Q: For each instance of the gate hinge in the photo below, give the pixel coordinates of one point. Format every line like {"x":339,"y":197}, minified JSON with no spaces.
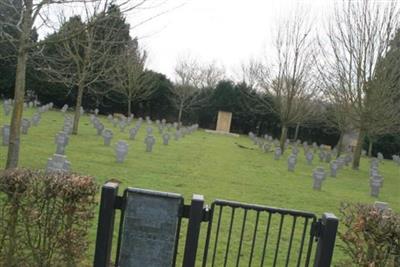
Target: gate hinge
{"x":206,"y":212}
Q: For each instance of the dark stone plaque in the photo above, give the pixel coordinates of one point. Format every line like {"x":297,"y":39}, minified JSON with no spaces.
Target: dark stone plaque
{"x":149,"y":230}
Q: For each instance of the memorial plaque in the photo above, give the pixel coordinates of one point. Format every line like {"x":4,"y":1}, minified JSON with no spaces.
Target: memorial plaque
{"x":150,"y":228}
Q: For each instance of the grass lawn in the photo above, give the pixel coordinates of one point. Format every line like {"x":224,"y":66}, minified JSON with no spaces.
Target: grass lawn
{"x":211,"y":165}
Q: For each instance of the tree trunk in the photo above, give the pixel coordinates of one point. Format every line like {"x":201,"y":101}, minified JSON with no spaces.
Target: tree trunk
{"x":129,"y":108}
{"x":340,"y":145}
{"x":370,"y":145}
{"x":296,"y":133}
{"x":180,"y":116}
{"x":19,"y":90}
{"x":357,"y":150}
{"x":78,"y":109}
{"x":283,"y":137}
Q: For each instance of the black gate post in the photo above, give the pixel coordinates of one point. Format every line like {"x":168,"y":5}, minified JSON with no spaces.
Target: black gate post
{"x":193,"y":231}
{"x":105,"y":226}
{"x":326,"y":242}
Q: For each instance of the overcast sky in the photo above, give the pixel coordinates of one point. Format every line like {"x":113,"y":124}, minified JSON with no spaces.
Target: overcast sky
{"x":226,"y":31}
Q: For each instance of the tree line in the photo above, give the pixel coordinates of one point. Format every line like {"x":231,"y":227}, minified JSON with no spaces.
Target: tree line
{"x":316,"y":87}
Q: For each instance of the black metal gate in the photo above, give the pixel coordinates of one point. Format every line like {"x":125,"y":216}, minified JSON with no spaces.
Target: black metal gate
{"x":236,"y":234}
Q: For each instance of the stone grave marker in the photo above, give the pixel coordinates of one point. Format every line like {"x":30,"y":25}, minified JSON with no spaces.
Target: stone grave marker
{"x":318,"y":176}
{"x":149,"y":141}
{"x":107,"y":136}
{"x":121,"y":150}
{"x":96,"y":111}
{"x":165,"y":138}
{"x":309,"y":157}
{"x":292,"y":162}
{"x":328,"y":157}
{"x":266,"y":147}
{"x":380,"y":156}
{"x":321,"y":155}
{"x":25,"y":124}
{"x":150,"y":228}
{"x":5,"y":133}
{"x":35,"y":119}
{"x":177,"y":135}
{"x":58,"y":163}
{"x":334,"y":167}
{"x":64,"y":108}
{"x":61,"y":141}
{"x":99,"y":128}
{"x":278,"y":153}
{"x":132,"y":133}
{"x":115,"y":122}
{"x":375,"y":182}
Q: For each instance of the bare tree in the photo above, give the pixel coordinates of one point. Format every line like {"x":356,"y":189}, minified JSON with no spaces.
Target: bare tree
{"x":288,"y":82}
{"x":186,"y":92}
{"x":129,"y":79}
{"x":210,"y":74}
{"x":358,"y":39}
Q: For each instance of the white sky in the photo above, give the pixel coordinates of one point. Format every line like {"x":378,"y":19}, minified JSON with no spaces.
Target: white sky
{"x":229,"y":32}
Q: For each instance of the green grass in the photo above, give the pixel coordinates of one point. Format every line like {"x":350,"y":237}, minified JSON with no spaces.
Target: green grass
{"x":211,"y":165}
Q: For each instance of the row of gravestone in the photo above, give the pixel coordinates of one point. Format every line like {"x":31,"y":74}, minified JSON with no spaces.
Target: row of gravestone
{"x":59,"y":161}
{"x":8,"y":105}
{"x":25,"y":123}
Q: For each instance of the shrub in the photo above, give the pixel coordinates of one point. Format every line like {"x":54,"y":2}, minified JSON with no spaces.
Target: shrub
{"x":371,"y":236}
{"x":44,"y":218}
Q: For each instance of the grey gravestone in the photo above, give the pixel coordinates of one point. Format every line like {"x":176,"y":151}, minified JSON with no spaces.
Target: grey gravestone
{"x":107,"y":136}
{"x":149,"y":141}
{"x":363,"y":152}
{"x":165,"y":138}
{"x":121,"y":150}
{"x":266,"y":147}
{"x":396,"y":159}
{"x":374,"y":163}
{"x":380,"y":156}
{"x":295,"y":150}
{"x":309,"y":157}
{"x":375,"y":183}
{"x":318,"y":176}
{"x":61,"y":142}
{"x":99,"y":128}
{"x":30,"y":104}
{"x":334,"y":167}
{"x":291,"y":163}
{"x":35,"y":119}
{"x":96,"y":111}
{"x":122,"y":125}
{"x":81,"y":110}
{"x":348,"y":159}
{"x":132,"y":133}
{"x":278,"y":153}
{"x":150,"y":228}
{"x":25,"y":124}
{"x":149,"y":130}
{"x":382,"y":206}
{"x":64,"y":108}
{"x":58,"y":163}
{"x":110,"y":118}
{"x":5,"y":132}
{"x":321,"y":155}
{"x":164,"y":122}
{"x":115,"y":122}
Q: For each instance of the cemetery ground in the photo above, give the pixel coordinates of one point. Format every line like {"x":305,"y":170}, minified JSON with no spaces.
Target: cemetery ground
{"x":215,"y":166}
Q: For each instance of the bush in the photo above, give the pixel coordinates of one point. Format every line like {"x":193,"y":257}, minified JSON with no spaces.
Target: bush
{"x":371,"y":236}
{"x":44,"y":218}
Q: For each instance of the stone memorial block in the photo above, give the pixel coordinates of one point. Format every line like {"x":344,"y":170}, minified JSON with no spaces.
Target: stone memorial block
{"x":25,"y":124}
{"x":334,"y":167}
{"x":61,"y":142}
{"x":96,"y":111}
{"x":35,"y":119}
{"x":278,"y":153}
{"x":318,"y":176}
{"x":291,"y":163}
{"x":348,"y":159}
{"x":30,"y":104}
{"x":149,"y":130}
{"x":309,"y":157}
{"x":5,"y":133}
{"x":81,"y":110}
{"x":374,"y":163}
{"x":375,"y":183}
{"x":149,"y":141}
{"x":99,"y":128}
{"x":121,"y":150}
{"x":341,"y":162}
{"x":164,"y":122}
{"x":132,"y":133}
{"x":110,"y":118}
{"x":150,"y":228}
{"x":373,"y":171}
{"x":175,"y":125}
{"x":380,"y":156}
{"x":165,"y":137}
{"x":295,"y":150}
{"x":107,"y":136}
{"x":58,"y":163}
{"x":7,"y":109}
{"x":396,"y":159}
